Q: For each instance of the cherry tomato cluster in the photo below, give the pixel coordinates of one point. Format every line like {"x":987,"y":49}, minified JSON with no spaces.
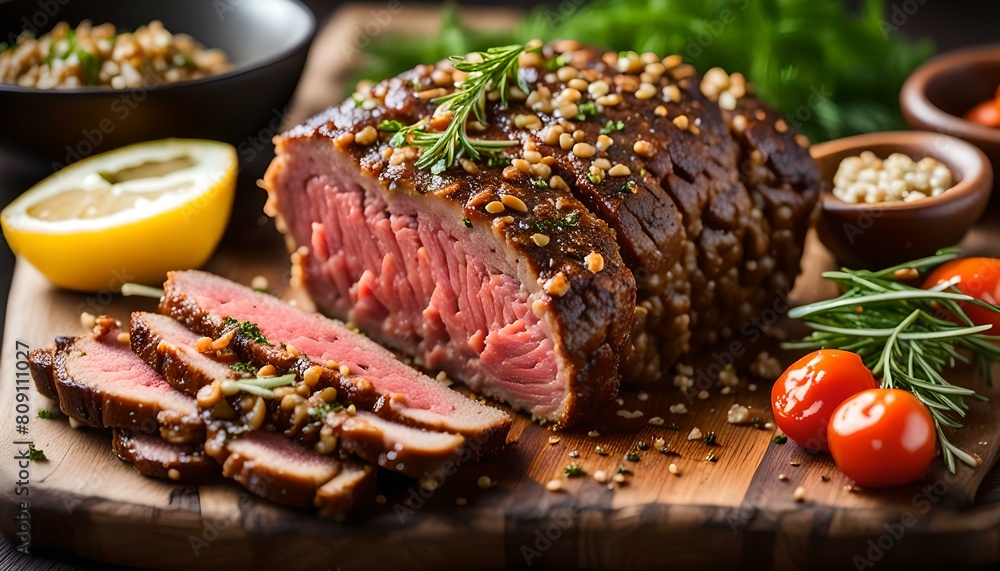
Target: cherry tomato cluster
{"x":829,"y":400}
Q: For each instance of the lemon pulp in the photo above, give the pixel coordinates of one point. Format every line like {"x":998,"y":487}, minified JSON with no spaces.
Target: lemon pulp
{"x":130,"y":214}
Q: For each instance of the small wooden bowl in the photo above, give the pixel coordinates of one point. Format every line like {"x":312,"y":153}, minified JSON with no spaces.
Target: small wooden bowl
{"x":881,"y":235}
{"x":938,"y":93}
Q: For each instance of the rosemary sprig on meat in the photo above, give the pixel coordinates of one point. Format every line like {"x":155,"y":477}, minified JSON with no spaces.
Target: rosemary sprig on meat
{"x":492,"y":70}
{"x":899,"y":333}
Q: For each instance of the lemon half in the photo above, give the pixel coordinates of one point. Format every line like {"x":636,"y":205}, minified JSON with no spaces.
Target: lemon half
{"x":128,"y":215}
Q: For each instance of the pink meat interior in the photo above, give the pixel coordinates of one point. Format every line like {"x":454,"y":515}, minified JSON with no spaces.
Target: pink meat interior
{"x":323,"y":340}
{"x":271,"y":449}
{"x":116,"y":371}
{"x":409,"y":272}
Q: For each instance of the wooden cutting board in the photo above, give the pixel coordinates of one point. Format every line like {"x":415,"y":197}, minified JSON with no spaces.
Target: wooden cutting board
{"x":732,"y":513}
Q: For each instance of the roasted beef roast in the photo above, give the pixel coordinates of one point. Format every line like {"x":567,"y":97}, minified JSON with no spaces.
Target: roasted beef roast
{"x":642,"y":212}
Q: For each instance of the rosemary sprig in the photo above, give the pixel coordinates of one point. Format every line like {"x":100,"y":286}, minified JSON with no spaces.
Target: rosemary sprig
{"x":493,"y":70}
{"x":897,"y":331}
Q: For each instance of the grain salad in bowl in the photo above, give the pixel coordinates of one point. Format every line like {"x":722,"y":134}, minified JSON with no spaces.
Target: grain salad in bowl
{"x":897,"y":178}
{"x":104,"y":56}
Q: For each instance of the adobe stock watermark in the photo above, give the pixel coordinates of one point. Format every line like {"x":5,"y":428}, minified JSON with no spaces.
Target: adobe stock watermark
{"x":39,"y":20}
{"x":564,"y":11}
{"x":547,"y":534}
{"x":804,"y":113}
{"x":896,"y":529}
{"x":119,"y":110}
{"x":247,"y":151}
{"x":898,"y":14}
{"x":431,"y":481}
{"x":750,"y":332}
{"x":376,"y":23}
{"x":695,"y":45}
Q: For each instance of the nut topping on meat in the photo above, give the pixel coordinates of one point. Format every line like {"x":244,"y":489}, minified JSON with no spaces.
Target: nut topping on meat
{"x":650,"y":211}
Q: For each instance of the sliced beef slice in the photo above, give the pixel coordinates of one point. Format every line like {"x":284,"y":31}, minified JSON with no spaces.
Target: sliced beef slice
{"x":367,"y":374}
{"x":275,"y":468}
{"x":169,"y":347}
{"x":40,"y":364}
{"x":410,"y":451}
{"x":102,"y":383}
{"x":152,"y":456}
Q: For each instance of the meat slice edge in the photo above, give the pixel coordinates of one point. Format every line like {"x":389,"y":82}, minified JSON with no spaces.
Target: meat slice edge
{"x":102,"y":383}
{"x":411,"y":451}
{"x":304,"y":341}
{"x":154,"y":457}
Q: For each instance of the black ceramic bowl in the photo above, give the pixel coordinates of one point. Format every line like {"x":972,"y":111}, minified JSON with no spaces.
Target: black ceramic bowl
{"x":266,"y":40}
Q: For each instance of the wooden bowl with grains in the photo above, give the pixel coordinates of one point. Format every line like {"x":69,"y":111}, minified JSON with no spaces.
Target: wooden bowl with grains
{"x":886,"y":197}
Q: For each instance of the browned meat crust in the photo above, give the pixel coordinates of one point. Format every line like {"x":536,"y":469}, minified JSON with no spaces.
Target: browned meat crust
{"x":152,"y":456}
{"x":705,"y":229}
{"x":94,"y":387}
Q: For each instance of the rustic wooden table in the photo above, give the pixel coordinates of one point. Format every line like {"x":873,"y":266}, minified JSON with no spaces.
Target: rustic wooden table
{"x":754,"y":494}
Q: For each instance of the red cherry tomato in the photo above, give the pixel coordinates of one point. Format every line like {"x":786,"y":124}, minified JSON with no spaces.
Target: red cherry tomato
{"x":806,"y":394}
{"x":882,"y":437}
{"x":986,"y":113}
{"x":977,"y":277}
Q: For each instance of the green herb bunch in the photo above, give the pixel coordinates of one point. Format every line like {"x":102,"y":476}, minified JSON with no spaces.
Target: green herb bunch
{"x":832,"y":72}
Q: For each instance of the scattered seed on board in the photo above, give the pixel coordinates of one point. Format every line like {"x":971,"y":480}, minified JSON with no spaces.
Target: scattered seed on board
{"x":554,"y":485}
{"x":673,"y":469}
{"x":484,"y":482}
{"x":799,"y":494}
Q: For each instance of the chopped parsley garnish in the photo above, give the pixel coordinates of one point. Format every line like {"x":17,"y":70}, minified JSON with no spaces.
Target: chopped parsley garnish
{"x":780,"y":439}
{"x":248,"y":329}
{"x":556,"y":62}
{"x":632,"y":457}
{"x":467,"y":222}
{"x":757,"y":423}
{"x":46,"y":414}
{"x":497,"y":161}
{"x":673,"y":426}
{"x":88,"y":61}
{"x":358,"y":99}
{"x":320,"y":412}
{"x":574,"y":470}
{"x":711,"y":457}
{"x":588,"y":109}
{"x":612,"y":126}
{"x":541,"y":184}
{"x":416,"y":85}
{"x":244,"y":367}
{"x":390,"y":126}
{"x":710,"y":439}
{"x":630,"y":187}
{"x":35,"y":454}
{"x":594,"y":178}
{"x":572,"y":220}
